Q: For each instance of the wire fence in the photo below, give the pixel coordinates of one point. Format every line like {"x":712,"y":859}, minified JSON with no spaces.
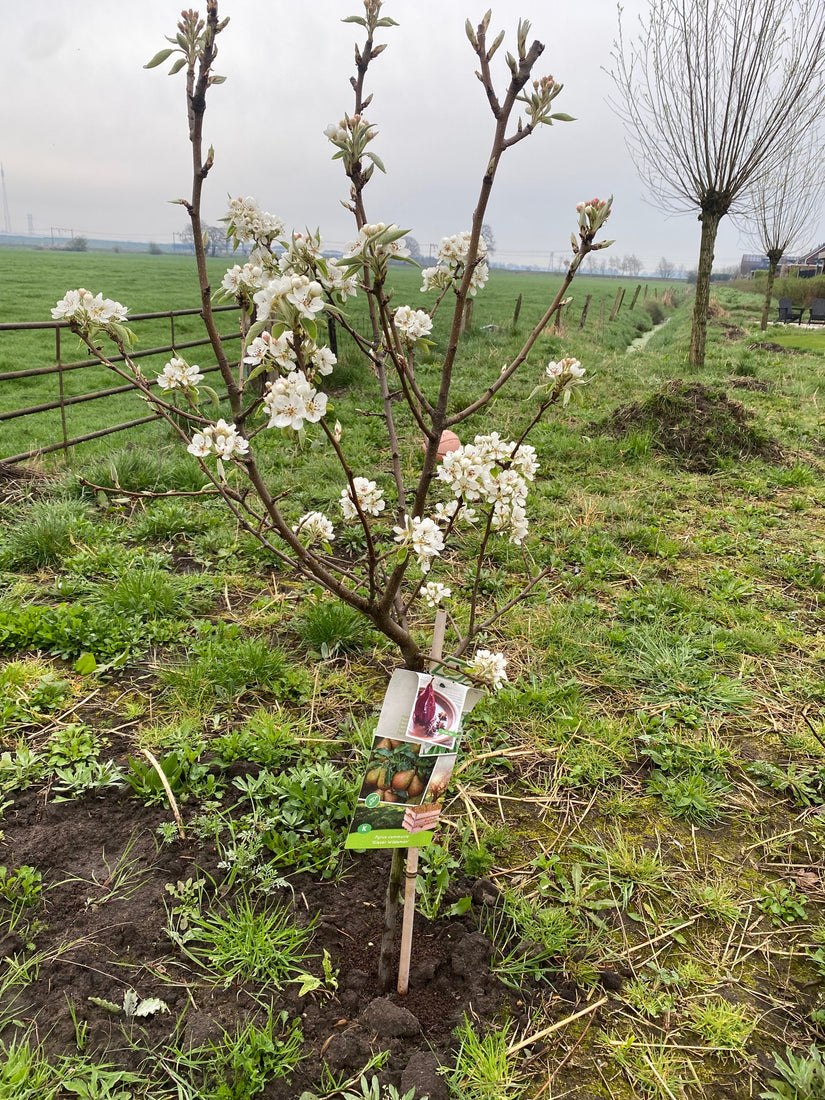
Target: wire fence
{"x":59,"y":369}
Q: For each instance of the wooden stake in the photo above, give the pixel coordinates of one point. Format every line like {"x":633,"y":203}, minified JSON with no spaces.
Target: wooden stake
{"x":411,"y":871}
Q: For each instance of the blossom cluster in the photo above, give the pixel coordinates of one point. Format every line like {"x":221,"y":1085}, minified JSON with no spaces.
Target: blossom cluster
{"x":369,"y":496}
{"x":221,"y":439}
{"x":592,"y":216}
{"x":412,"y":324}
{"x":435,"y":593}
{"x":493,"y":471}
{"x":423,"y":537}
{"x":275,"y":298}
{"x":489,"y":667}
{"x":314,"y":527}
{"x":379,"y":242}
{"x":453,"y":253}
{"x":281,"y":351}
{"x":88,"y":311}
{"x":564,"y":375}
{"x":247,"y":223}
{"x":292,"y":400}
{"x":179,"y":375}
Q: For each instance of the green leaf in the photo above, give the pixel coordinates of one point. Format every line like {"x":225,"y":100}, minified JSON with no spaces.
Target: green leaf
{"x":158,"y":59}
{"x":563,"y":118}
{"x":310,"y":328}
{"x":110,"y":1006}
{"x":213,"y":397}
{"x":309,"y":983}
{"x":178,"y":65}
{"x":85,"y":664}
{"x":355,"y":19}
{"x":459,"y":908}
{"x":376,"y":160}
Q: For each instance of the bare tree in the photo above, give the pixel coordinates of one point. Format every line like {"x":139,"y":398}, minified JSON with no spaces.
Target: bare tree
{"x":630,"y":264}
{"x":665,"y":269}
{"x":784,"y":206}
{"x":489,"y":238}
{"x":715,"y":94}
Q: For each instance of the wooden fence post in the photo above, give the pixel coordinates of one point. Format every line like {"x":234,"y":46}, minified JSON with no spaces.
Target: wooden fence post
{"x":517,"y":311}
{"x":584,"y":311}
{"x":636,"y":295}
{"x":617,"y":303}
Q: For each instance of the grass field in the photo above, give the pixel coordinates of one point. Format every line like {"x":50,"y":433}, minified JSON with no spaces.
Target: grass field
{"x":637,"y":823}
{"x":31,"y":282}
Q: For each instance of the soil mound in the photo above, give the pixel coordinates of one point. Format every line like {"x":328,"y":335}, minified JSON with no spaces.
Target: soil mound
{"x":695,"y":425}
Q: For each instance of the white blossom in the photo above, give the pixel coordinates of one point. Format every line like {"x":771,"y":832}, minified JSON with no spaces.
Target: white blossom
{"x":249,"y":224}
{"x":369,"y":496}
{"x":292,"y":400}
{"x":179,"y":375}
{"x":412,"y":324}
{"x":423,"y":536}
{"x":314,"y":527}
{"x":368,"y":241}
{"x":323,"y":360}
{"x":564,"y":375}
{"x":221,"y":439}
{"x":434,"y":593}
{"x":489,"y":667}
{"x":89,"y":311}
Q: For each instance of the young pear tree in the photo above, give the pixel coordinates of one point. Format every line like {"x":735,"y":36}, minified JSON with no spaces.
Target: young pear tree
{"x":413,"y":507}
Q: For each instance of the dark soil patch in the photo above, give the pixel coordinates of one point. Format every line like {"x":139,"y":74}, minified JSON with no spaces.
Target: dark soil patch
{"x":755,"y":385}
{"x":695,"y":425}
{"x":767,"y":345}
{"x":97,"y":941}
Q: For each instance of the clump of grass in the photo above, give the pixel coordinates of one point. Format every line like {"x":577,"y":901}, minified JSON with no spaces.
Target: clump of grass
{"x":484,"y":1069}
{"x":721,"y":1024}
{"x":331,"y":628}
{"x":45,"y":535}
{"x":140,"y":469}
{"x":167,"y":519}
{"x":222,"y":664}
{"x":266,"y":739}
{"x":149,"y":593}
{"x":244,"y":943}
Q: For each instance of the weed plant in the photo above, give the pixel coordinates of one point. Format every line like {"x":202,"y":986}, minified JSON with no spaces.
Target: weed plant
{"x":245,"y":942}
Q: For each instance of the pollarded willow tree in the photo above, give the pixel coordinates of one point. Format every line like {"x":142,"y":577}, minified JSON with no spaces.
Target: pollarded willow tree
{"x":716,"y":94}
{"x":415,"y":507}
{"x":785,"y":206}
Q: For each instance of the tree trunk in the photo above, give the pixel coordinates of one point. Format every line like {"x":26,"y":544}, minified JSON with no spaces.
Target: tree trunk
{"x":772,"y":266}
{"x":698,"y":334}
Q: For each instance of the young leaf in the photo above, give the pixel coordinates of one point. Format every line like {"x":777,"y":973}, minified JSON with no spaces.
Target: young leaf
{"x":158,"y":59}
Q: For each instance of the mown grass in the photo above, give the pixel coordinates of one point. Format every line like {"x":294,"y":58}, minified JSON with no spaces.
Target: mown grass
{"x":647,"y":792}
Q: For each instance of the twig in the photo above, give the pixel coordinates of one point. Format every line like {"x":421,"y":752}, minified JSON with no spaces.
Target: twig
{"x":557,"y":1026}
{"x":172,"y":803}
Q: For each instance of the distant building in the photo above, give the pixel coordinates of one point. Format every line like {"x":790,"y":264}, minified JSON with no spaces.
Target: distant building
{"x":754,"y":262}
{"x":804,"y":266}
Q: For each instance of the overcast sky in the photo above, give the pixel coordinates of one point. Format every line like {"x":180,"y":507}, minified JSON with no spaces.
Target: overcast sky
{"x":92,"y":143}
